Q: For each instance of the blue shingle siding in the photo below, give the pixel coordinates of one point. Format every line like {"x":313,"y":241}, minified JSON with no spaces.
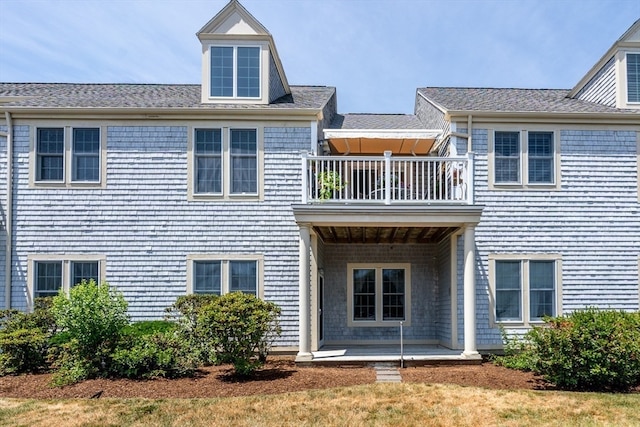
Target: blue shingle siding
{"x":460,"y":288}
{"x":276,"y":88}
{"x":429,"y":115}
{"x":424,"y":290}
{"x":601,"y":89}
{"x":591,"y":222}
{"x":443,"y":332}
{"x":144,"y":225}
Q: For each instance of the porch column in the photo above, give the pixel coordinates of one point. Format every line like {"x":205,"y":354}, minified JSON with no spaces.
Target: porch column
{"x":304,"y":351}
{"x":470,"y":349}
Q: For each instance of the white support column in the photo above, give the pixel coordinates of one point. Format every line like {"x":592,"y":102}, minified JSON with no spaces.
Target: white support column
{"x":304,"y":352}
{"x":470,"y":348}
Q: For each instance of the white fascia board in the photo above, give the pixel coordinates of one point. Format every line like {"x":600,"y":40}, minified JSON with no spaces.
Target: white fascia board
{"x":383,"y":133}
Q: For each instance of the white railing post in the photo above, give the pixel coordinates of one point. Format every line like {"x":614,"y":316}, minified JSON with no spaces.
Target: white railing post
{"x":305,"y":178}
{"x":470,"y":176}
{"x":387,"y":177}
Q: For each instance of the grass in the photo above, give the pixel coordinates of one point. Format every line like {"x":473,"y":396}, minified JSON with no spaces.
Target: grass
{"x":370,"y":405}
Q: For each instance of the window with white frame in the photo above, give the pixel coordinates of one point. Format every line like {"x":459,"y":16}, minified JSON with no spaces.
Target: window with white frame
{"x":221,"y":276}
{"x":85,"y":152}
{"x":530,"y":164}
{"x":225,"y":162}
{"x":244,"y":161}
{"x":235,"y":71}
{"x":525,"y":289}
{"x":52,"y":273}
{"x":208,"y":161}
{"x":53,"y":145}
{"x":633,"y":77}
{"x":378,"y":294}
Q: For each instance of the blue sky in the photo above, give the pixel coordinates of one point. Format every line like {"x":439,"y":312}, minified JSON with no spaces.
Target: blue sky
{"x":376,"y":52}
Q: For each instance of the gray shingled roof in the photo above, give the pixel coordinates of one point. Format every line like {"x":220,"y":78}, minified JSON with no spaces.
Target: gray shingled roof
{"x":513,"y":100}
{"x":153,"y":96}
{"x":375,"y":121}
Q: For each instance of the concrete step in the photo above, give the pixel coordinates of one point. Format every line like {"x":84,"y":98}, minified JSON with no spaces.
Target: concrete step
{"x":387,"y":373}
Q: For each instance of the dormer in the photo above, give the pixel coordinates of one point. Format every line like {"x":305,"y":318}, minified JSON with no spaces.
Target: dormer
{"x":615,"y":79}
{"x":240,"y":64}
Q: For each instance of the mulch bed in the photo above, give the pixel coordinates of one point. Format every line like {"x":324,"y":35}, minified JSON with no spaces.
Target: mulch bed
{"x":279,"y":375}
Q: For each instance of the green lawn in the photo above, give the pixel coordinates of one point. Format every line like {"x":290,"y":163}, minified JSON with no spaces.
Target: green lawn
{"x":378,"y":404}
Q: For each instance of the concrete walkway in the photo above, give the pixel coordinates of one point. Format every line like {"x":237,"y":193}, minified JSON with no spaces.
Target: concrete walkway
{"x":387,"y":373}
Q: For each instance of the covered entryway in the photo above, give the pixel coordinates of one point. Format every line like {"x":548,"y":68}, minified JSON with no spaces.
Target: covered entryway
{"x":380,"y":267}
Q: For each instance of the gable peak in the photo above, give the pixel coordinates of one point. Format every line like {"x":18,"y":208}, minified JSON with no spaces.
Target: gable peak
{"x":233,"y":19}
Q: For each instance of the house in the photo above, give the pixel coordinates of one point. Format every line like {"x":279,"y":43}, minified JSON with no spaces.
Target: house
{"x":485,"y":208}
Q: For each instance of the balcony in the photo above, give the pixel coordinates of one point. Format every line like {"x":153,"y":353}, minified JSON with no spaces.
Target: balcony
{"x":387,"y":180}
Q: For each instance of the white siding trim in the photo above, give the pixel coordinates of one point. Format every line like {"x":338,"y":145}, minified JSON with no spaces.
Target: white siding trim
{"x":66,"y":270}
{"x":226,"y":195}
{"x":225,"y":258}
{"x":379,"y":322}
{"x":524,"y":299}
{"x":524,"y":157}
{"x":67,"y":182}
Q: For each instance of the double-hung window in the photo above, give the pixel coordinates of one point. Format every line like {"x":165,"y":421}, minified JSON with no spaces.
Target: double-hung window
{"x":244,"y":161}
{"x":50,"y":273}
{"x":221,"y":275}
{"x":235,"y":71}
{"x":379,"y":295}
{"x":226,"y":163}
{"x":633,"y":77}
{"x":208,"y":161}
{"x":524,"y":289}
{"x":50,"y":154}
{"x":85,"y":153}
{"x":67,"y":156}
{"x":529,"y":164}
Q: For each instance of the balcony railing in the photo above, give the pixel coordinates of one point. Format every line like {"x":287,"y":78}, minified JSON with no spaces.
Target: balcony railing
{"x":387,"y":180}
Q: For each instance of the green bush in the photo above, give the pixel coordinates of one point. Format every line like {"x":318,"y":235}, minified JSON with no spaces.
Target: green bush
{"x":184,"y":312}
{"x":241,"y":328}
{"x":24,"y":338}
{"x":147,"y":327}
{"x":159,"y":354}
{"x":589,"y":350}
{"x":519,"y":353}
{"x":93,"y":317}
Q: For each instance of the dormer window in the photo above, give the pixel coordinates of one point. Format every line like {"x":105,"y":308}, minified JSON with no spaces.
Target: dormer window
{"x":235,"y":71}
{"x":633,"y":77}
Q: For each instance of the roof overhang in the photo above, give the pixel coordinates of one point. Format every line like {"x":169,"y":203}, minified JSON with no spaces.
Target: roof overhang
{"x":377,"y":141}
{"x":625,"y":117}
{"x":294,"y":114}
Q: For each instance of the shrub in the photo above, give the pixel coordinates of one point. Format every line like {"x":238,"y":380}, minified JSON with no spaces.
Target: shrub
{"x":519,"y":353}
{"x":588,"y":350}
{"x":159,"y":354}
{"x":93,"y":317}
{"x":24,"y":338}
{"x":147,"y":327}
{"x":241,"y":328}
{"x":185,"y":313}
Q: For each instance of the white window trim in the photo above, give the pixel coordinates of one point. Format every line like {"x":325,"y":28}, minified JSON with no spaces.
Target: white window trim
{"x":235,"y":73}
{"x":379,"y":322}
{"x":67,"y":181}
{"x":526,"y":322}
{"x":524,"y":160}
{"x":224,"y":273}
{"x":66,"y":270}
{"x":226,"y":163}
